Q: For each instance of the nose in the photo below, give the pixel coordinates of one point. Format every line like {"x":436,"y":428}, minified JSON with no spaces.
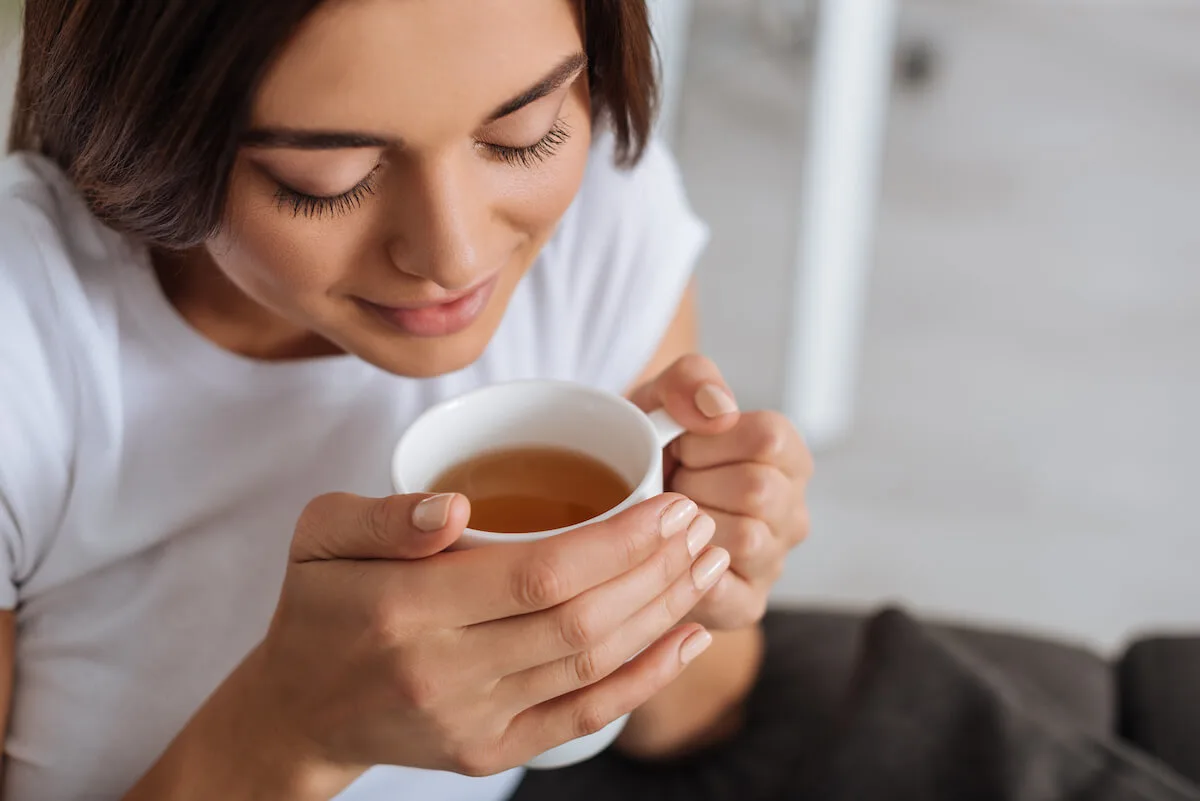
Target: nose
{"x":440,"y":226}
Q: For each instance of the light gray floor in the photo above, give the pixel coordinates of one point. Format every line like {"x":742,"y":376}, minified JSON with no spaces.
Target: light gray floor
{"x":1026,"y":450}
{"x":1026,"y":445}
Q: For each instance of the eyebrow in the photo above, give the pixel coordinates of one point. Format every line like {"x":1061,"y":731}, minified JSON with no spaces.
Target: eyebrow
{"x":299,"y":139}
{"x":567,"y":69}
{"x":305,"y":139}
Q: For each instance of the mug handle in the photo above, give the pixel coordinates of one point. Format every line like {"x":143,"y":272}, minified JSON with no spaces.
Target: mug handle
{"x":665,"y":427}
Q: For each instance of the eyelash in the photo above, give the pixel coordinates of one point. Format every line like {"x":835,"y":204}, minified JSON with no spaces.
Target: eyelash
{"x":315,"y":206}
{"x":532,"y":155}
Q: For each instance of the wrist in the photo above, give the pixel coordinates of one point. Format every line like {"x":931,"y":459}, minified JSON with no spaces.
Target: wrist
{"x":238,"y":748}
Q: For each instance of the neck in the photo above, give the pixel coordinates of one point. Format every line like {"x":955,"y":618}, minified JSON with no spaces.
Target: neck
{"x":221,"y":312}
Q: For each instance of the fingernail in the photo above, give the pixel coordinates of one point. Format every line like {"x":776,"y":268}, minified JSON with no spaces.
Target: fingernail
{"x":700,"y":533}
{"x":712,"y":401}
{"x":676,"y":517}
{"x":709,"y":568}
{"x":433,"y":513}
{"x":694,"y":645}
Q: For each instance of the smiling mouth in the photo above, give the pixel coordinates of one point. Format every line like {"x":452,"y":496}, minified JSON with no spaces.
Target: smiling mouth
{"x":437,"y":319}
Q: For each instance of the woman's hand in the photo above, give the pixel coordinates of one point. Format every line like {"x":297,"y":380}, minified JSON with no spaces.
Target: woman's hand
{"x":387,"y":649}
{"x":748,"y":471}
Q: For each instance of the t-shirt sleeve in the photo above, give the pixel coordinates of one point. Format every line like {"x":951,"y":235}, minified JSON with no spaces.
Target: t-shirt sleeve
{"x":35,"y":403}
{"x":634,"y":246}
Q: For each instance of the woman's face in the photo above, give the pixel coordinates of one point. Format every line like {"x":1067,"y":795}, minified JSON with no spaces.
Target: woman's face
{"x":406,"y":162}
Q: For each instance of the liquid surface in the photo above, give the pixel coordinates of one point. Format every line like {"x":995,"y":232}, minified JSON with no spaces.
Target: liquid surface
{"x":519,"y":490}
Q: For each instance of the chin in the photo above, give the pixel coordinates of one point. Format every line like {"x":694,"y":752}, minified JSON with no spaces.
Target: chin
{"x":425,"y":358}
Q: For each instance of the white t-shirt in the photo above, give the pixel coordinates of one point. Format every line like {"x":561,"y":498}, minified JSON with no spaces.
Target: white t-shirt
{"x":150,"y":481}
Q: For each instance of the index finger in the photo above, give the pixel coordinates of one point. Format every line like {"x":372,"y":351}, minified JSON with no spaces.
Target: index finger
{"x":694,"y":393}
{"x":500,"y":581}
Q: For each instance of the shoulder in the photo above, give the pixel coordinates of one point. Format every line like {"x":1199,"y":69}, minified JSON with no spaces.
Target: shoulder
{"x":31,"y":197}
{"x":615,"y":198}
{"x":26,"y":217}
{"x":603,"y":173}
{"x":46,"y":238}
{"x":55,"y":257}
{"x":47,"y":333}
{"x":622,"y":259}
{"x":35,"y":262}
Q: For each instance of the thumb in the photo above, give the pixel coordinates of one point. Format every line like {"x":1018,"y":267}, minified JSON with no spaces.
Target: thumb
{"x":344,"y":526}
{"x":693,"y":392}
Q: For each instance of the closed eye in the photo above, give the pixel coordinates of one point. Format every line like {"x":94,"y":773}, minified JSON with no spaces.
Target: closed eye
{"x":317,"y":206}
{"x":530,"y":156}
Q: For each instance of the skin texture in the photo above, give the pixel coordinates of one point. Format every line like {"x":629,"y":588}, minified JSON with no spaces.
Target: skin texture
{"x":451,"y":204}
{"x":446,"y":211}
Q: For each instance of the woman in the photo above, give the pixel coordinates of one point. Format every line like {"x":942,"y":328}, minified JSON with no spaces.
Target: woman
{"x":242,"y":247}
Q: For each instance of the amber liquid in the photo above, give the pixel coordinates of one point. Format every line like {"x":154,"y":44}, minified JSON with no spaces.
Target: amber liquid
{"x":519,"y":490}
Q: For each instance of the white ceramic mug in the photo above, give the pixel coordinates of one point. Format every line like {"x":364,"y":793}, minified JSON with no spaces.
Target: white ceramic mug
{"x":545,"y":413}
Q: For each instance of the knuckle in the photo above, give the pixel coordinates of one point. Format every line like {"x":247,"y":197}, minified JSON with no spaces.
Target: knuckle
{"x":803,"y":525}
{"x":538,"y":585}
{"x":578,"y":627}
{"x":631,"y":540}
{"x":387,"y":622}
{"x":474,"y":760}
{"x":419,"y":689}
{"x":747,"y":538}
{"x":760,"y":489}
{"x":589,"y":718}
{"x":771,"y":435}
{"x":694,"y":363}
{"x":589,"y":667}
{"x":318,"y":508}
{"x":383,"y":518}
{"x":316,"y":512}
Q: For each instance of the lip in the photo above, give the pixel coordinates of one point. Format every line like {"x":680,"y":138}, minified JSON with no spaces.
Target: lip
{"x":440,"y":319}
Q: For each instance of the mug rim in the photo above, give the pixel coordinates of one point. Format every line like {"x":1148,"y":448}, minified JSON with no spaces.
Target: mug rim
{"x":558,"y":385}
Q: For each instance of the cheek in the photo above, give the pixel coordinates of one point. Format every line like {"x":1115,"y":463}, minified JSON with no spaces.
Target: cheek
{"x":535,"y":200}
{"x":275,"y":257}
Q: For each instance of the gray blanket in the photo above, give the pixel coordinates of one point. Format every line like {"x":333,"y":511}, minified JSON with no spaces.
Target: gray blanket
{"x":894,"y":710}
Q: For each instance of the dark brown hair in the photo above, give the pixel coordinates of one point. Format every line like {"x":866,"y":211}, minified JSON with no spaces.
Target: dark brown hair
{"x":142,"y":103}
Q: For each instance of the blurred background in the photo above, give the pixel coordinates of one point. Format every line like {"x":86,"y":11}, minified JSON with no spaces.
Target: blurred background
{"x":956,"y":240}
{"x":1020,"y":442}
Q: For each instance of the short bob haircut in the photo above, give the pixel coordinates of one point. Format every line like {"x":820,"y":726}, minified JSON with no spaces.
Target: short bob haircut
{"x":142,"y":103}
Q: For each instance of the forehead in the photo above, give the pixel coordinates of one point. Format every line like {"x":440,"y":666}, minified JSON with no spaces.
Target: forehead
{"x":419,"y":70}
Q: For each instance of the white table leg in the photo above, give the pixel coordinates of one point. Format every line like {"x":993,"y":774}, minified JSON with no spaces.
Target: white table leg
{"x":671,"y":22}
{"x":855,"y":48}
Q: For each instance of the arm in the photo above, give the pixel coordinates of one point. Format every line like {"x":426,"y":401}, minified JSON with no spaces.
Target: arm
{"x":235,"y":748}
{"x":290,"y":724}
{"x":703,"y":705}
